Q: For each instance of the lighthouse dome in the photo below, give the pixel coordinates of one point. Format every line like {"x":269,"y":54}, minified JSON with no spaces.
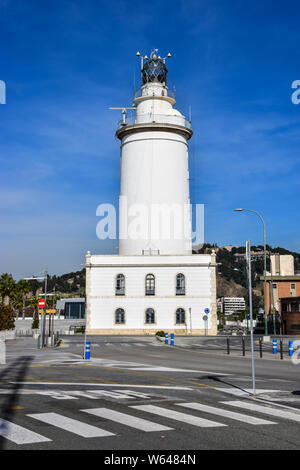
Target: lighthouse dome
{"x":154,"y":70}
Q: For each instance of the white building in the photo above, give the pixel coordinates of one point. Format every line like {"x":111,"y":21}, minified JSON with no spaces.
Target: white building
{"x":282,"y":265}
{"x":155,"y":283}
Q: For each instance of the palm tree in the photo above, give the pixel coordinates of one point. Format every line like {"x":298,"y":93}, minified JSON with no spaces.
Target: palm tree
{"x":16,"y":300}
{"x":24,"y":288}
{"x":7,"y":287}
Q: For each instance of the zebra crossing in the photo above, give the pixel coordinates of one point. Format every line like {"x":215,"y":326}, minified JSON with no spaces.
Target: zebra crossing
{"x":193,"y":416}
{"x":113,"y":345}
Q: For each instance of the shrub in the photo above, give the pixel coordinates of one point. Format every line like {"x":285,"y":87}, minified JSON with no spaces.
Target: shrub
{"x":160,"y":333}
{"x":7,"y":317}
{"x":80,"y":329}
{"x":35,"y":324}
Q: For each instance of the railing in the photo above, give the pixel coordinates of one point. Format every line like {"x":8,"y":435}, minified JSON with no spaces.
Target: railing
{"x":157,"y":92}
{"x":155,"y":118}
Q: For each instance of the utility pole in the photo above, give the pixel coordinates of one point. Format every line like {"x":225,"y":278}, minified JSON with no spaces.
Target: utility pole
{"x":248,"y":257}
{"x":43,"y":320}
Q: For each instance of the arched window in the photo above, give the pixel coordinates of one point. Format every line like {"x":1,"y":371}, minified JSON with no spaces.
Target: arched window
{"x":120,"y":284}
{"x":180,"y":284}
{"x":180,"y":316}
{"x":150,"y":316}
{"x":119,"y":316}
{"x":150,"y":284}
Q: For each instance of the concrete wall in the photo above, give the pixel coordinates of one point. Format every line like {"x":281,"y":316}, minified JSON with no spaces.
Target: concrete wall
{"x":23,"y":327}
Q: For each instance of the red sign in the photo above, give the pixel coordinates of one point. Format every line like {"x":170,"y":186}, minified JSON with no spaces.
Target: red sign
{"x":41,"y":303}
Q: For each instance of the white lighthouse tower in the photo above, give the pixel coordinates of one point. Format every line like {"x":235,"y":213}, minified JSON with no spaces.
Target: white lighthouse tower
{"x":155,"y":282}
{"x":154,"y":170}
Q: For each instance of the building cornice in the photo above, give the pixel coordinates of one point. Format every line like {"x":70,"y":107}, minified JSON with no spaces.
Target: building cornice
{"x":153,"y":126}
{"x":148,"y":265}
{"x":295,"y":277}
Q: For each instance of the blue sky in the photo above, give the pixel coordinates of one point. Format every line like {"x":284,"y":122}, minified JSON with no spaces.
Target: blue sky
{"x":65,"y":62}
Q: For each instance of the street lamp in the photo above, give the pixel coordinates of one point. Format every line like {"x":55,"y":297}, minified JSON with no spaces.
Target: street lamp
{"x":43,"y":320}
{"x":265,"y":262}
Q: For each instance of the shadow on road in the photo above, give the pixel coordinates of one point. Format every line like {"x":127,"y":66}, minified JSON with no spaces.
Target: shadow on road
{"x":15,"y":372}
{"x":217,"y":379}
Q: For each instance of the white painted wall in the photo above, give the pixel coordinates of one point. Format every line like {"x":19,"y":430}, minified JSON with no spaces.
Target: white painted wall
{"x":102,"y":301}
{"x":154,"y":171}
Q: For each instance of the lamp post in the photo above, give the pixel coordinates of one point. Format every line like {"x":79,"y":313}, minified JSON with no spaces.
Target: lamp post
{"x":265,"y":263}
{"x":43,"y":319}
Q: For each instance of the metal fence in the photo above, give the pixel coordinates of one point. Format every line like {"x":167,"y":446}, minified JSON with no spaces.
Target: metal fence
{"x":151,"y":118}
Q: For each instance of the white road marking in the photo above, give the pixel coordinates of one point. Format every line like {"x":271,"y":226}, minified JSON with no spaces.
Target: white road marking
{"x":268,"y":410}
{"x":182,"y":417}
{"x":128,"y":420}
{"x":226,"y":413}
{"x":18,"y":434}
{"x":247,"y":391}
{"x":89,"y":384}
{"x":71,"y":425}
{"x":56,"y":394}
{"x":109,"y":394}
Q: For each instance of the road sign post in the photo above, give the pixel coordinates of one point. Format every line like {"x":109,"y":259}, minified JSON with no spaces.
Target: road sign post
{"x":41,"y":305}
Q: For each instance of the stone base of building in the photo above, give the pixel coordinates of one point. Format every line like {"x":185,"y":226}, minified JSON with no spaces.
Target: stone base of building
{"x":182,"y":332}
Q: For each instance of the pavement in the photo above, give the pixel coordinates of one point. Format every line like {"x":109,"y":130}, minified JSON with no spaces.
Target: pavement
{"x":137,"y":393}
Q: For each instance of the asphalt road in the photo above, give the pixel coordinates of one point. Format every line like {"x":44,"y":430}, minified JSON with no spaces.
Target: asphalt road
{"x":136,"y":393}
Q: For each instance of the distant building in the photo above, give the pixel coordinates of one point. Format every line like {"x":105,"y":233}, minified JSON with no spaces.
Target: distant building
{"x":282,"y":265}
{"x":232,"y":305}
{"x":73,"y":308}
{"x":282,"y":281}
{"x":290,"y":314}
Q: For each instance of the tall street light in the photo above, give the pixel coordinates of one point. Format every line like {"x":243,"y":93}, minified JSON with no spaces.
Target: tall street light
{"x":265,"y":263}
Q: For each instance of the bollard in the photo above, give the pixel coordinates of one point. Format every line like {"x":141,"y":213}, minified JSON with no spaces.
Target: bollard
{"x":281,"y":349}
{"x":172,"y":339}
{"x":87,"y":353}
{"x":243,"y":346}
{"x":291,"y":348}
{"x":228,"y":346}
{"x":166,"y":338}
{"x":260,"y":348}
{"x":274,"y":346}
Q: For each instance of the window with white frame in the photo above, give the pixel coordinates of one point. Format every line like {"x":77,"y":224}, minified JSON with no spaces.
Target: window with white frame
{"x":120,"y":316}
{"x":150,"y":284}
{"x":180,"y":284}
{"x":120,"y":284}
{"x":180,"y":316}
{"x":150,"y":316}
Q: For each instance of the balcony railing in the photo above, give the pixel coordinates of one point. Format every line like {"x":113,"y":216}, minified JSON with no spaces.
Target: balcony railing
{"x":155,"y":118}
{"x":157,"y":92}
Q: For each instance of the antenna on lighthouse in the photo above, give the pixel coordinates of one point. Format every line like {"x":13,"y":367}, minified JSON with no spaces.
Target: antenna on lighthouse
{"x":154,"y":51}
{"x":124,"y":111}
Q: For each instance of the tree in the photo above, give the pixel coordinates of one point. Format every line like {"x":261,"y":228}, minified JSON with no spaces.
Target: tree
{"x":16,"y":300}
{"x":7,"y":317}
{"x":7,"y":287}
{"x":23,"y":288}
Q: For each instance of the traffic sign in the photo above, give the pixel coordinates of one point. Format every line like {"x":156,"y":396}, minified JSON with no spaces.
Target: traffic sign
{"x":51,"y":310}
{"x":41,"y":303}
{"x":205,"y":317}
{"x":206,"y":310}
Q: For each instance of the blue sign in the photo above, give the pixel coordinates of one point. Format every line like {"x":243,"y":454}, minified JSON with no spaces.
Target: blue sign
{"x":206,"y":310}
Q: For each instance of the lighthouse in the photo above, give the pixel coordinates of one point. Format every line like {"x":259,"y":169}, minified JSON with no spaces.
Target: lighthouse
{"x":155,"y":282}
{"x":154,"y":169}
